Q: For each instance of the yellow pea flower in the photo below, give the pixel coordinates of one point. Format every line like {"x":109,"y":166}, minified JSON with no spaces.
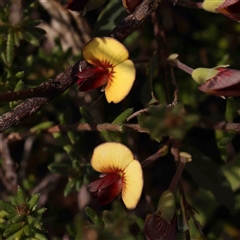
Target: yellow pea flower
{"x":111,"y":68}
{"x":120,"y":173}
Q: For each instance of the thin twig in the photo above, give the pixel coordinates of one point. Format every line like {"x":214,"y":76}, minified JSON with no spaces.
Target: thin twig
{"x":98,"y":127}
{"x":160,"y":153}
{"x":181,"y":66}
{"x":135,"y":114}
{"x":8,"y":173}
{"x":177,"y":175}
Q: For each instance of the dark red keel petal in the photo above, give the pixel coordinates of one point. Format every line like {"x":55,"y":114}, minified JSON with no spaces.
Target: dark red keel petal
{"x":103,"y":182}
{"x":106,"y":195}
{"x":232,"y":91}
{"x":224,"y":78}
{"x":92,"y":78}
{"x":107,"y":188}
{"x":225,"y":83}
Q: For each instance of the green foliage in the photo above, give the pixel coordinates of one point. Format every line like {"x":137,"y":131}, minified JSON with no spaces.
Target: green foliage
{"x":51,"y":150}
{"x":164,"y":120}
{"x":97,"y":221}
{"x":22,"y":219}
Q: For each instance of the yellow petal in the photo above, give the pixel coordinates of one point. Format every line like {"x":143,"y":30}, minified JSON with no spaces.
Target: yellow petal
{"x":211,"y":5}
{"x":120,"y":81}
{"x":105,"y":52}
{"x":111,"y":157}
{"x":132,"y":184}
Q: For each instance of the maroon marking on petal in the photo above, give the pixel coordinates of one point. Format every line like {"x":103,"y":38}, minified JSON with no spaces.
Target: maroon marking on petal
{"x":76,"y":5}
{"x":92,"y":71}
{"x":92,"y":78}
{"x":103,"y":182}
{"x":107,"y":188}
{"x":224,"y":79}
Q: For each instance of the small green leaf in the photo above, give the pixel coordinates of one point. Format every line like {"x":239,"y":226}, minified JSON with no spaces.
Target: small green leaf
{"x":41,"y":126}
{"x":87,"y":116}
{"x":79,"y":184}
{"x":27,"y":230}
{"x":69,"y":187}
{"x":33,"y":222}
{"x":16,"y":38}
{"x":38,"y":213}
{"x":106,"y":136}
{"x":39,"y":236}
{"x":8,"y":207}
{"x":17,"y":219}
{"x":38,"y":32}
{"x":231,"y":110}
{"x":16,"y":236}
{"x":19,"y":86}
{"x":75,"y":164}
{"x":73,"y":137}
{"x":20,"y":34}
{"x":19,"y":74}
{"x":29,"y":37}
{"x":31,"y":22}
{"x":32,"y":203}
{"x":12,"y":228}
{"x":10,"y":48}
{"x":140,"y":222}
{"x":4,"y":57}
{"x":59,"y":167}
{"x":123,"y":116}
{"x":231,"y":171}
{"x":20,"y":198}
{"x":97,"y":220}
